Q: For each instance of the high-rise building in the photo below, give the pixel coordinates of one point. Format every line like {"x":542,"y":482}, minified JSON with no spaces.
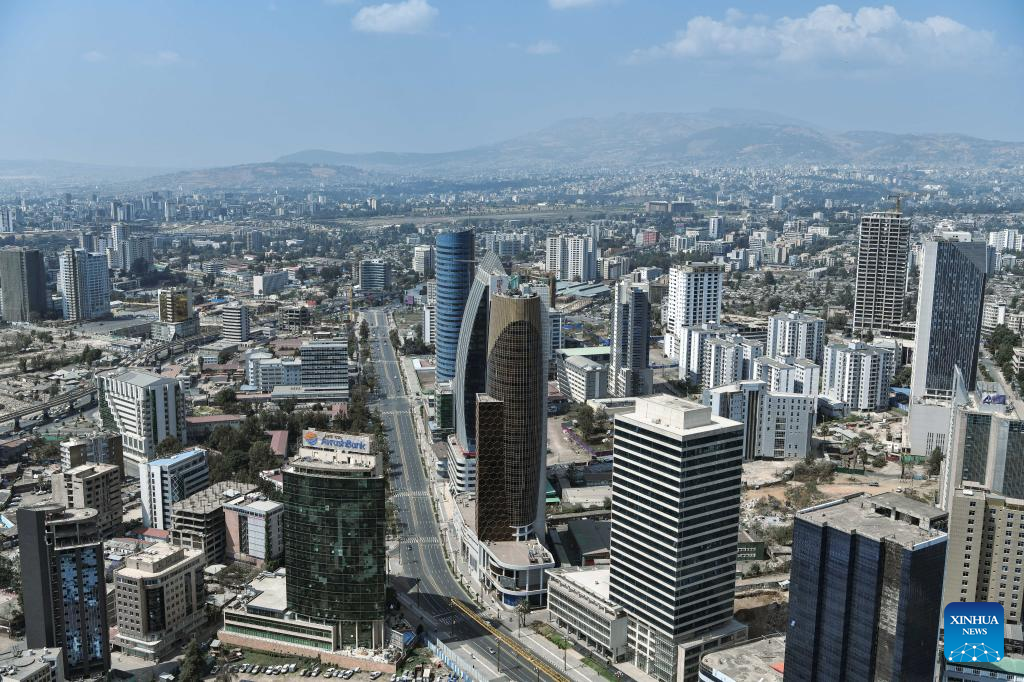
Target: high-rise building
{"x":137,"y":253}
{"x":145,"y":408}
{"x":97,"y":448}
{"x":335,"y":523}
{"x":8,"y":219}
{"x":92,"y":486}
{"x":255,"y":529}
{"x":629,"y":373}
{"x":22,"y":285}
{"x":454,"y":264}
{"x":776,"y":425}
{"x":167,"y":480}
{"x":324,"y":364}
{"x":694,"y":298}
{"x":269,"y":283}
{"x":175,"y":305}
{"x":571,"y":257}
{"x":423,"y":260}
{"x":949,"y":312}
{"x":675,"y":519}
{"x":796,"y":335}
{"x":865,"y":591}
{"x":161,"y":600}
{"x":84,"y":281}
{"x":254,"y":241}
{"x":986,"y":442}
{"x":883,"y":249}
{"x":374,"y":274}
{"x":716,"y":225}
{"x":471,"y":351}
{"x":512,"y":418}
{"x":235,"y":323}
{"x":198,"y":521}
{"x":63,"y":585}
{"x":858,"y":375}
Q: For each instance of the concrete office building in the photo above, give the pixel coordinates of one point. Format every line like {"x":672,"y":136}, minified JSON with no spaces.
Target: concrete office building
{"x":235,"y":323}
{"x":454,"y":265}
{"x":512,"y":420}
{"x":92,"y":486}
{"x":97,"y":448}
{"x":198,"y":521}
{"x":161,"y":600}
{"x":374,"y":274}
{"x":32,"y":665}
{"x":64,"y":591}
{"x":145,"y":408}
{"x":423,"y":260}
{"x":168,"y":480}
{"x":582,"y":379}
{"x":694,"y":298}
{"x":864,"y":594}
{"x":324,"y":364}
{"x":796,"y":335}
{"x":629,"y":372}
{"x":471,"y":352}
{"x":255,"y":529}
{"x":858,"y":375}
{"x":986,"y":445}
{"x":335,"y":522}
{"x":269,"y":283}
{"x":578,"y":604}
{"x":23,"y":296}
{"x":675,"y":518}
{"x":759,"y":660}
{"x":254,"y":241}
{"x":883,"y":249}
{"x":84,"y":282}
{"x":949,"y":312}
{"x":776,"y":425}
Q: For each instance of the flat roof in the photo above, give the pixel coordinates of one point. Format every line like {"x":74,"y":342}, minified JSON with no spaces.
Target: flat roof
{"x":757,"y":661}
{"x":273,"y":592}
{"x":907,"y":505}
{"x":857,"y":515}
{"x":593,"y":579}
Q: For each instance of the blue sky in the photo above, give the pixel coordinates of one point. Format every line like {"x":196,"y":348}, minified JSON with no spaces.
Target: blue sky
{"x":193,"y":83}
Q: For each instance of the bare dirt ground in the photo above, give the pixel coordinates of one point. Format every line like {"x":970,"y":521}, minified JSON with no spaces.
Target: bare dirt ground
{"x":562,"y":450}
{"x":764,"y":614}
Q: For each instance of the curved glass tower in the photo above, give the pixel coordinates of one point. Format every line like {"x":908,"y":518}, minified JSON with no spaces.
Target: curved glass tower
{"x":453,"y":266}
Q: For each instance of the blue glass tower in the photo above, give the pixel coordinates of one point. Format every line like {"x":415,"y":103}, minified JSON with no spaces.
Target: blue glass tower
{"x":454,"y":266}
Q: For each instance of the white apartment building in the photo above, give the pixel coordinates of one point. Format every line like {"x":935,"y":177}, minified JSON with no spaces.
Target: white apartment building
{"x":571,"y":257}
{"x":585,"y":379}
{"x":235,"y":323}
{"x":776,"y":425}
{"x":796,"y":335}
{"x":269,"y":283}
{"x":145,"y":408}
{"x":858,"y":375}
{"x":694,"y":298}
{"x":168,"y":480}
{"x":84,"y":282}
{"x":423,"y":260}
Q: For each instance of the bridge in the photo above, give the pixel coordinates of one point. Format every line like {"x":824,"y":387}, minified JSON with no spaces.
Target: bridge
{"x":70,"y":399}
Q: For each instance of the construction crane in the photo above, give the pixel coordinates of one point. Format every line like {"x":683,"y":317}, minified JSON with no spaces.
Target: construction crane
{"x":899,"y":198}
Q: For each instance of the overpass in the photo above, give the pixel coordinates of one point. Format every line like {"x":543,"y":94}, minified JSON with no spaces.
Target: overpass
{"x":70,"y":399}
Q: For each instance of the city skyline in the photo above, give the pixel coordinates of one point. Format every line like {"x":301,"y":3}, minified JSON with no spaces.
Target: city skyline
{"x":440,"y":76}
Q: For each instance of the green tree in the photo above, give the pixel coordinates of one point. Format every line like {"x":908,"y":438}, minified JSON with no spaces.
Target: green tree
{"x":364,"y":331}
{"x":585,"y":421}
{"x":935,"y":462}
{"x":168,"y":446}
{"x":192,"y":663}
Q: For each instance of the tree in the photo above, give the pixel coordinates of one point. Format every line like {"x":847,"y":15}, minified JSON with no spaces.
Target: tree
{"x":226,"y":396}
{"x":769,"y":279}
{"x":364,"y":331}
{"x":585,"y":421}
{"x":192,"y":663}
{"x":935,"y":462}
{"x":168,"y":446}
{"x":902,"y":377}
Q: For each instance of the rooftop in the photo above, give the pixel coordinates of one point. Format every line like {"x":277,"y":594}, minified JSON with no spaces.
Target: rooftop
{"x":182,"y":456}
{"x":676,"y":416}
{"x":758,"y":661}
{"x":592,"y":579}
{"x":214,"y":497}
{"x":856,"y":514}
{"x":136,"y":377}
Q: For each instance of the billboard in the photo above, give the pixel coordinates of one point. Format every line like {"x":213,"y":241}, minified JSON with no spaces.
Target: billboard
{"x":336,"y":441}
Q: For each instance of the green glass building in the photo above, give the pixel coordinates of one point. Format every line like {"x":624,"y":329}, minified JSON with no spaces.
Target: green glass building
{"x":334,"y":524}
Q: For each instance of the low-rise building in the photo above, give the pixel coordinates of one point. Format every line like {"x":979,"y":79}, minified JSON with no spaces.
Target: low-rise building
{"x":584,"y":379}
{"x":32,"y":665}
{"x":161,"y":600}
{"x":578,"y":604}
{"x":198,"y":521}
{"x":253,"y":527}
{"x":759,"y":660}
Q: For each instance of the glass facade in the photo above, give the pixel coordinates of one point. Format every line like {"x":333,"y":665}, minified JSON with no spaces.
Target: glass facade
{"x":454,"y":268}
{"x":83,"y":600}
{"x":335,"y":523}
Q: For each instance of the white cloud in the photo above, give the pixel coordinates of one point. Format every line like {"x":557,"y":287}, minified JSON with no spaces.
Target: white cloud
{"x":571,"y":4}
{"x":869,"y":37}
{"x":94,"y":56}
{"x":543,"y":47}
{"x":165,"y":57}
{"x":410,"y":16}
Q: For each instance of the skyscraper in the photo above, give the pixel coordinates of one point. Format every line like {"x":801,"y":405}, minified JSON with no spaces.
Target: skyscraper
{"x":865,"y":591}
{"x":512,"y":419}
{"x":423,"y":260}
{"x":374,"y":274}
{"x":949,"y":311}
{"x":324,"y":364}
{"x":675,"y":517}
{"x":64,"y":590}
{"x":471,"y":351}
{"x":22,"y":285}
{"x":694,"y":298}
{"x":454,"y":265}
{"x":175,"y":304}
{"x":882,"y":250}
{"x":235,"y":323}
{"x":334,"y":520}
{"x":84,"y":281}
{"x":167,"y":480}
{"x":96,"y":486}
{"x":629,"y":373}
{"x":571,"y":257}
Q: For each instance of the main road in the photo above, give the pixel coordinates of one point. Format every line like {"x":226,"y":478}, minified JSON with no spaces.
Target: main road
{"x":422,"y":557}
